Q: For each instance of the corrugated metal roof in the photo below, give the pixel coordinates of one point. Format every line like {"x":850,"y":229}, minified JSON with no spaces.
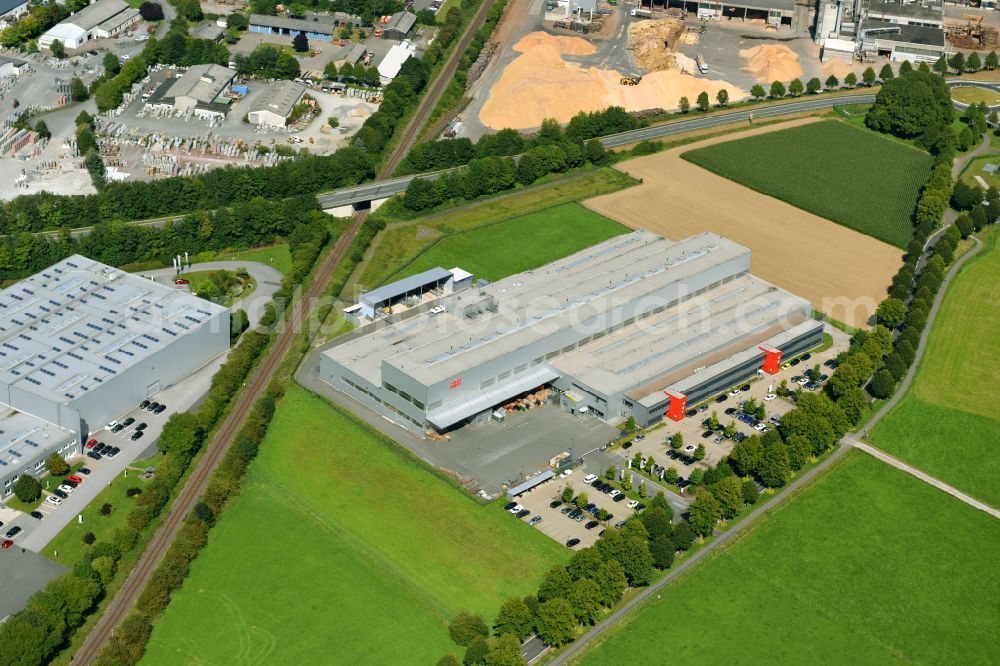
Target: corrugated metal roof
{"x":400,"y":287}
{"x":530,"y":483}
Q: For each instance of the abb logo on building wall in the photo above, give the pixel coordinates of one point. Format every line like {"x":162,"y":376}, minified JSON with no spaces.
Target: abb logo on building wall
{"x":455,"y":384}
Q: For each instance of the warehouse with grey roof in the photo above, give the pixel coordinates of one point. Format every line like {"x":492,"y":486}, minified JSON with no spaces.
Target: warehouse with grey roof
{"x":81,"y":343}
{"x":635,"y":326}
{"x":274,"y":104}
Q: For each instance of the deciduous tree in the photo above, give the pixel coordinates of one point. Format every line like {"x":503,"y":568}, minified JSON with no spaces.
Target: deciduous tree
{"x":704,"y":513}
{"x":467,"y":626}
{"x":514,"y":618}
{"x":556,"y":622}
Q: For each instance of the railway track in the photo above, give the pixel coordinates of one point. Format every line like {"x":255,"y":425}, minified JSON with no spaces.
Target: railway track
{"x":124,"y":600}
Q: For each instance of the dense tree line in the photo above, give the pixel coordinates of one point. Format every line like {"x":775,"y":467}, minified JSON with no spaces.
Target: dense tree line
{"x":912,"y":104}
{"x":268,"y":62}
{"x":178,"y":48}
{"x":250,"y":222}
{"x":448,"y":153}
{"x":491,"y":175}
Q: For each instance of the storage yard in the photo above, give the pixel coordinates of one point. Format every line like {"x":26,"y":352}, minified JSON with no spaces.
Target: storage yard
{"x":842,"y":272}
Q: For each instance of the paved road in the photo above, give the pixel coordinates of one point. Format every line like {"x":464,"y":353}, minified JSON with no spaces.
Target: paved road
{"x":268,"y":281}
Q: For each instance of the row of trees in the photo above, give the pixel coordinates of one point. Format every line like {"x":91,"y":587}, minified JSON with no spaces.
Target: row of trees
{"x":178,"y":48}
{"x":446,"y":153}
{"x":959,"y":63}
{"x":491,"y":175}
{"x":268,"y":62}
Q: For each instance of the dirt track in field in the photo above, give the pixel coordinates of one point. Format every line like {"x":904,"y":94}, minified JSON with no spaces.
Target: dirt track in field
{"x":843,"y":273}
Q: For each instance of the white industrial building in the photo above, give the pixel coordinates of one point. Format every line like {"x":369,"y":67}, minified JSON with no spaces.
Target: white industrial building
{"x":635,"y":326}
{"x":274,"y":104}
{"x":393,"y":61}
{"x":82,"y":343}
{"x":198,"y":90}
{"x":99,"y":20}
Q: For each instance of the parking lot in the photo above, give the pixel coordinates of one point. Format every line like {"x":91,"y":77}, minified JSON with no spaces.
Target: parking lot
{"x":36,"y":534}
{"x":762,"y":390}
{"x":557,"y":520}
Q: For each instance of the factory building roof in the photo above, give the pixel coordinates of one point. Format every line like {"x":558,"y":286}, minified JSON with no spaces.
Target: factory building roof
{"x":682,"y":337}
{"x":404,"y":286}
{"x":119,"y":20}
{"x":902,"y":34}
{"x":96,"y":13}
{"x":23,"y":435}
{"x":10,"y":5}
{"x":925,"y":10}
{"x":321,"y":24}
{"x":394,"y":59}
{"x":201,"y":82}
{"x":279,"y":97}
{"x":401,"y":22}
{"x":588,"y":286}
{"x":79,"y":323}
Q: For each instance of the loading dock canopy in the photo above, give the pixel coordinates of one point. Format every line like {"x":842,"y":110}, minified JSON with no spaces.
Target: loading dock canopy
{"x":530,"y":483}
{"x":452,"y":413}
{"x":390,"y":292}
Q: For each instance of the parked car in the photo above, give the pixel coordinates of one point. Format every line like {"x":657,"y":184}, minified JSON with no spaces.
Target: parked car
{"x":152,"y":406}
{"x":640,"y":506}
{"x":591,"y":525}
{"x":129,"y":421}
{"x":515,"y":508}
{"x":37,"y":515}
{"x":535,"y":520}
{"x":575,"y":513}
{"x":83,"y":470}
{"x":769,"y":397}
{"x":805,"y":357}
{"x":95,"y":456}
{"x":509,"y":506}
{"x":118,"y":428}
{"x":573,"y":542}
{"x":620,"y":524}
{"x":691,"y":412}
{"x":590,"y":478}
{"x":66,"y":488}
{"x":734,"y":393}
{"x":614,"y":493}
{"x":60,"y":494}
{"x":566,"y":510}
{"x":523,"y":513}
{"x":90,"y":444}
{"x":813,"y":386}
{"x":53,"y":500}
{"x":627,"y":445}
{"x":689,"y":448}
{"x":639,"y":437}
{"x":554,"y":503}
{"x":159,"y":409}
{"x":136,"y":435}
{"x":721,"y":398}
{"x":75,"y":479}
{"x":745,"y":387}
{"x":703,"y":408}
{"x":111,"y":424}
{"x":832,"y":364}
{"x":6,"y":544}
{"x":144,"y":404}
{"x":632,"y":504}
{"x":706,"y":434}
{"x":181,"y":282}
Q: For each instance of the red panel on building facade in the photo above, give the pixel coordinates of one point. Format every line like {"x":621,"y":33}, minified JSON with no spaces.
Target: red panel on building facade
{"x":678,"y":404}
{"x":772,"y":360}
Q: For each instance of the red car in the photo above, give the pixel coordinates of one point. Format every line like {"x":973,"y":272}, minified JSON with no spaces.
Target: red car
{"x":91,"y":444}
{"x":74,"y":478}
{"x":6,"y":544}
{"x":181,"y":281}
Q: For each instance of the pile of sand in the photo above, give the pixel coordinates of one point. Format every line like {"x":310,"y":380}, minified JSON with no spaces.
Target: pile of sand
{"x":539,"y":84}
{"x":652,"y":43}
{"x":772,"y":62}
{"x":840,"y":69}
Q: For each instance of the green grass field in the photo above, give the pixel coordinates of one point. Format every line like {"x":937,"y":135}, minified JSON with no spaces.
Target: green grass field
{"x":341,"y":548}
{"x":868,"y":566}
{"x":518,"y":244}
{"x":276,"y":256}
{"x":868,"y":183}
{"x":69,"y":542}
{"x":976,"y":96}
{"x":949,"y":423}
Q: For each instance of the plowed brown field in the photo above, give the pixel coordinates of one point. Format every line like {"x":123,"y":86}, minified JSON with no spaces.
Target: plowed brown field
{"x":843,"y":273}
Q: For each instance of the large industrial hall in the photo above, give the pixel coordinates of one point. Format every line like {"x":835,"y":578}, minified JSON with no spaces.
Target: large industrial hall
{"x":82,"y":342}
{"x":635,"y":326}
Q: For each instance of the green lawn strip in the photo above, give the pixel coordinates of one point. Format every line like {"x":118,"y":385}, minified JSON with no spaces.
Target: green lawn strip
{"x":69,"y":542}
{"x":870,"y":184}
{"x":276,"y":256}
{"x":399,"y":243}
{"x":975,"y":95}
{"x":515,"y":245}
{"x":869,"y":562}
{"x":380,"y":545}
{"x":949,"y":423}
